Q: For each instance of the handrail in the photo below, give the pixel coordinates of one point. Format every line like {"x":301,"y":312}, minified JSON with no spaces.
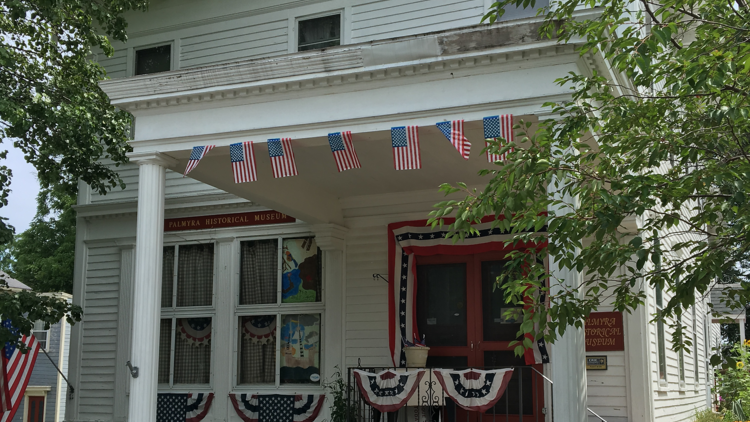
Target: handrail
{"x":551,"y":383}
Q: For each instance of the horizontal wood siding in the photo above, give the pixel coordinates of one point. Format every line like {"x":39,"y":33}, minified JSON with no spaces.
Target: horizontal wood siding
{"x":99,"y":342}
{"x":235,"y":40}
{"x":396,"y":18}
{"x":116,"y":66}
{"x":367,"y":299}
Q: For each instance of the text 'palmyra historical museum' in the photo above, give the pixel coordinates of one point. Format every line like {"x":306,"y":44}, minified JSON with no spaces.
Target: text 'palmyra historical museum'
{"x":294,"y":253}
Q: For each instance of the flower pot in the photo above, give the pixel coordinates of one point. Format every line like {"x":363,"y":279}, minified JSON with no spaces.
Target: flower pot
{"x":416,"y":357}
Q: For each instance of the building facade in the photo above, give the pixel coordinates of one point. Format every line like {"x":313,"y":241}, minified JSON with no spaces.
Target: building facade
{"x":273,"y":286}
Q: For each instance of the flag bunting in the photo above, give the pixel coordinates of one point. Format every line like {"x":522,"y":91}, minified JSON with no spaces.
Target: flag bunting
{"x":498,"y":128}
{"x":182,"y":407}
{"x":472,"y":389}
{"x":406,"y":154}
{"x":260,"y":329}
{"x":277,"y":408}
{"x":388,"y":391}
{"x":343,"y":151}
{"x":197,"y":331}
{"x":16,"y":372}
{"x":282,"y":157}
{"x":195,"y":157}
{"x":454,"y":131}
{"x":243,"y":162}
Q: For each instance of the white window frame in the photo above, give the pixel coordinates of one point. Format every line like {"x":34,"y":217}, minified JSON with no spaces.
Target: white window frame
{"x":294,"y":28}
{"x":176,"y":312}
{"x":173,"y":60}
{"x":47,"y":332}
{"x":277,"y":309}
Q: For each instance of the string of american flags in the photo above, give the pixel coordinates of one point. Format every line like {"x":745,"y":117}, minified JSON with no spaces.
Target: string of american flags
{"x":404,"y":141}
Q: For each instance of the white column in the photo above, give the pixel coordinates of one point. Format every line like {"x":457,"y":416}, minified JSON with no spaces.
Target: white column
{"x":742,"y":330}
{"x":330,"y":239}
{"x":147,"y":283}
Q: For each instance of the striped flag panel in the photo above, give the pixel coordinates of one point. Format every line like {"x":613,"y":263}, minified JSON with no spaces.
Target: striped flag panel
{"x":343,"y":151}
{"x":15,"y":374}
{"x":282,"y":157}
{"x":498,"y":128}
{"x":243,"y":162}
{"x":405,"y":141}
{"x":454,"y":131}
{"x":195,"y":157}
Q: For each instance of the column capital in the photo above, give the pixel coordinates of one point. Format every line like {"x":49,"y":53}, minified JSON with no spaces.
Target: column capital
{"x":152,"y":157}
{"x":330,"y":237}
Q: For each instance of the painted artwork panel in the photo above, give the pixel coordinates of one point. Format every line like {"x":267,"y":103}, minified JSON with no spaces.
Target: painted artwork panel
{"x":301,"y":275}
{"x":300,"y":349}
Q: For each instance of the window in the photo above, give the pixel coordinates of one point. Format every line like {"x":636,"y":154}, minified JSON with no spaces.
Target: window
{"x":696,"y":372}
{"x":187,"y":314}
{"x":153,"y":60}
{"x":41,"y":334}
{"x":317,"y":33}
{"x":279,"y":316}
{"x":660,"y":341}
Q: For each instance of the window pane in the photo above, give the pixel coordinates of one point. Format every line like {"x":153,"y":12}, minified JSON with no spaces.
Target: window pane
{"x":41,"y":337}
{"x":300,"y":349}
{"x":192,"y":355}
{"x":319,"y":33}
{"x":659,"y":298}
{"x":519,"y":387}
{"x":259,"y":263}
{"x":165,"y":346}
{"x":195,"y":275}
{"x":167,"y":277}
{"x":257,"y":363}
{"x":300,"y":281}
{"x":441,"y":304}
{"x":153,"y":60}
{"x":661,"y":350}
{"x":496,"y":326}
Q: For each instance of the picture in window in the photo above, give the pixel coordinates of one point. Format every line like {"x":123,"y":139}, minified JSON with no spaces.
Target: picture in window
{"x":300,"y":262}
{"x":300,"y":349}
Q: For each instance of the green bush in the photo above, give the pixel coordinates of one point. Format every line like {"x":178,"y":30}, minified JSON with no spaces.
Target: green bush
{"x":733,"y":383}
{"x":707,"y":415}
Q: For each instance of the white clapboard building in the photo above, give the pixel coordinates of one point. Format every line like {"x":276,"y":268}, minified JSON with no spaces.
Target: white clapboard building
{"x":205,"y":294}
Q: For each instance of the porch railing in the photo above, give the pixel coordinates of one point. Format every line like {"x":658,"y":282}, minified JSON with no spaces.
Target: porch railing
{"x":523,"y":400}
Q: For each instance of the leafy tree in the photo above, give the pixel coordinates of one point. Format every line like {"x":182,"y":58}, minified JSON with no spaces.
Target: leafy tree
{"x":666,"y":145}
{"x":52,"y":109}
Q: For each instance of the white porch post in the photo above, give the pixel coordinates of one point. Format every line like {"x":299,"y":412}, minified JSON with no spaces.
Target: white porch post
{"x":147,"y":283}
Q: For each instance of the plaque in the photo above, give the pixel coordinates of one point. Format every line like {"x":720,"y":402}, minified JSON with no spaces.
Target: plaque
{"x":596,"y":363}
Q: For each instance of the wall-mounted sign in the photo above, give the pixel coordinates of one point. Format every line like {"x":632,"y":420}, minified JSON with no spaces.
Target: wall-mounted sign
{"x":596,"y":363}
{"x":604,"y":332}
{"x":226,"y":220}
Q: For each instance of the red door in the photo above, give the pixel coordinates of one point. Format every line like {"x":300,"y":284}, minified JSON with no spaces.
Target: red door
{"x":461,"y":316}
{"x":36,"y":409}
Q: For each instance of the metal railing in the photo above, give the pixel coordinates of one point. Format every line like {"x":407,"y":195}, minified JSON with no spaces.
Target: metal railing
{"x":523,"y":400}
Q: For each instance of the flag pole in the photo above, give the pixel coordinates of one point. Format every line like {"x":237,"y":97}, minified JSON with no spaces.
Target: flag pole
{"x":72,"y":390}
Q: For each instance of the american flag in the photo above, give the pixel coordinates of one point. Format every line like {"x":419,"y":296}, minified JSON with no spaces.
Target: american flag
{"x":282,"y":157}
{"x":405,"y":140}
{"x":454,"y":131}
{"x":243,"y":162}
{"x":15,"y":373}
{"x":343,"y":151}
{"x":496,"y":127}
{"x":196,"y":156}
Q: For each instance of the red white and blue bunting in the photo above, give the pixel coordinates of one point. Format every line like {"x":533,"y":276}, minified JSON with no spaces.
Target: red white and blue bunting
{"x":277,"y":408}
{"x":389,"y":390}
{"x":260,"y":329}
{"x":472,"y":389}
{"x":414,"y":238}
{"x":183,"y":407}
{"x":242,"y":155}
{"x":197,"y":331}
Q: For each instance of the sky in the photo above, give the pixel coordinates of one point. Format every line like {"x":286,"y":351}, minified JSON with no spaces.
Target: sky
{"x":24,"y":188}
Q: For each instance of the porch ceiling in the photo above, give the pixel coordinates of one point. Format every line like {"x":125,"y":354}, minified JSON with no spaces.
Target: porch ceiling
{"x":314,"y":195}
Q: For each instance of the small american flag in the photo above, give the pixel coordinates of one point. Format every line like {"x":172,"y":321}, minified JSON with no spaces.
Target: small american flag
{"x":454,"y":131}
{"x":196,"y":156}
{"x":243,"y":162}
{"x":16,"y":372}
{"x":498,"y":128}
{"x":343,"y":151}
{"x":405,"y":140}
{"x":282,"y":157}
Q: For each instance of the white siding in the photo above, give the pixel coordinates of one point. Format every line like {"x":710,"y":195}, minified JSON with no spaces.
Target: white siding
{"x":116,"y":66}
{"x":99,"y":328}
{"x":367,"y":299}
{"x":395,"y":18}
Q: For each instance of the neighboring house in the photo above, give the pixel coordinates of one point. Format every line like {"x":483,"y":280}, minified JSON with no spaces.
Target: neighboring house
{"x":188,"y":278}
{"x":47,"y":392}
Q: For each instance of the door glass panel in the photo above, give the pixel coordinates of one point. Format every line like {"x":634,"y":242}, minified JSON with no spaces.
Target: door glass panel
{"x":519,"y":387}
{"x":496,"y":326}
{"x":441,"y":304}
{"x":452,"y":362}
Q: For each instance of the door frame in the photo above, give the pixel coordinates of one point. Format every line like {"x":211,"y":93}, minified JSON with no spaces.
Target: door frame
{"x":35,"y":391}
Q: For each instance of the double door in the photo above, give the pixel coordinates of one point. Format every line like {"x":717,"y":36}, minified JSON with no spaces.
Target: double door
{"x":461,"y":312}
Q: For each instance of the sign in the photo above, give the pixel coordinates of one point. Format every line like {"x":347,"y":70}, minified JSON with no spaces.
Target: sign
{"x":596,"y":363}
{"x":226,"y":220}
{"x":604,"y":332}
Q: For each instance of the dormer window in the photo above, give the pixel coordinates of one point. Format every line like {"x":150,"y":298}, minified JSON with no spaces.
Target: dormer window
{"x":153,"y":60}
{"x":317,"y":33}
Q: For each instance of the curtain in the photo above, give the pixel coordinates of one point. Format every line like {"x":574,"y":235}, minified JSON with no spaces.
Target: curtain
{"x":192,"y":362}
{"x":258,"y":271}
{"x":257,"y":360}
{"x":167,"y":277}
{"x":195,"y":275}
{"x":165,"y":346}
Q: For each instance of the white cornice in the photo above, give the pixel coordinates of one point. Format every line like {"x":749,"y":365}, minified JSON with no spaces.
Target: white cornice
{"x":182,"y":206}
